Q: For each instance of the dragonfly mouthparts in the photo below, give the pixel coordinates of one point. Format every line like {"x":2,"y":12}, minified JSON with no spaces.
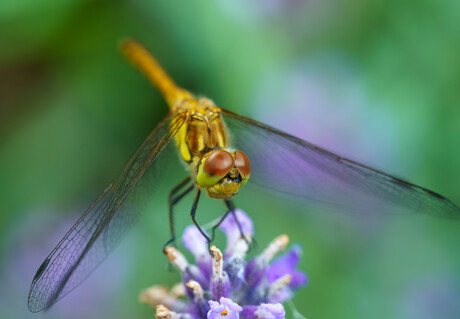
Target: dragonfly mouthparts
{"x":234,"y":178}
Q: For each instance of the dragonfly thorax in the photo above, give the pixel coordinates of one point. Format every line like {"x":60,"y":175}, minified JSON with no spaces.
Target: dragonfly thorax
{"x":203,"y":130}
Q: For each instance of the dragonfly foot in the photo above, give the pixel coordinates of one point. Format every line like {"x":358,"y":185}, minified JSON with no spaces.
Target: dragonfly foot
{"x":211,"y":253}
{"x":252,"y":243}
{"x":169,"y":243}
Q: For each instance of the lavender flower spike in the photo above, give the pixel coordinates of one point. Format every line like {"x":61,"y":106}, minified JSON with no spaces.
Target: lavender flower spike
{"x":228,"y":286}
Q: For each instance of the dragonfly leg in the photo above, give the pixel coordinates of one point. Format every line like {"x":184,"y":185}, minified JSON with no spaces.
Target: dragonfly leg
{"x":173,"y":200}
{"x":213,"y":230}
{"x":192,"y":214}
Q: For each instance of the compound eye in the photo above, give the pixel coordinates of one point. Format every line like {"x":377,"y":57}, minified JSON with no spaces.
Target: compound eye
{"x":214,"y":167}
{"x":243,"y":164}
{"x":218,"y":163}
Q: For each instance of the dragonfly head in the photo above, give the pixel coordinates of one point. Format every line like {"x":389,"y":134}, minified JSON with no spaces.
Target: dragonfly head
{"x":222,"y":173}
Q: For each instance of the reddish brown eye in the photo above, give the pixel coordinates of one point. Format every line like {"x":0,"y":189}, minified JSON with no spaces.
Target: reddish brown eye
{"x":243,"y":164}
{"x":218,"y":163}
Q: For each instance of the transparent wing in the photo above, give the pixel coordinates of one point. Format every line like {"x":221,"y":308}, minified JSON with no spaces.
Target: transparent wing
{"x":101,"y":227}
{"x":289,"y":165}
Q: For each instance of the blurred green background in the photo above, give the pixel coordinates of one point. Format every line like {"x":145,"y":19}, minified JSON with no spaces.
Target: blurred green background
{"x":375,"y":80}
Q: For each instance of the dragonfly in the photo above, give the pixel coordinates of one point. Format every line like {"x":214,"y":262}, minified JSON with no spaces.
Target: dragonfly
{"x":222,"y":151}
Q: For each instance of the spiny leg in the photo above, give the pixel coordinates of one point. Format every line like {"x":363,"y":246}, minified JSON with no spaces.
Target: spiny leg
{"x":171,"y":211}
{"x":192,"y":215}
{"x":173,"y":200}
{"x":213,"y":230}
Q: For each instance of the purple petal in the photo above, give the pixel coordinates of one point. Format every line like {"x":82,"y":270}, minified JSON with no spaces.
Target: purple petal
{"x":249,"y":312}
{"x":264,"y":311}
{"x":197,"y":245}
{"x":286,"y":264}
{"x":194,"y":273}
{"x":256,"y":271}
{"x":195,"y":242}
{"x":271,"y":311}
{"x":221,"y":286}
{"x":282,"y":295}
{"x":196,"y":310}
{"x":226,"y":309}
{"x":230,"y":227}
{"x":235,"y":269}
{"x":299,"y":278}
